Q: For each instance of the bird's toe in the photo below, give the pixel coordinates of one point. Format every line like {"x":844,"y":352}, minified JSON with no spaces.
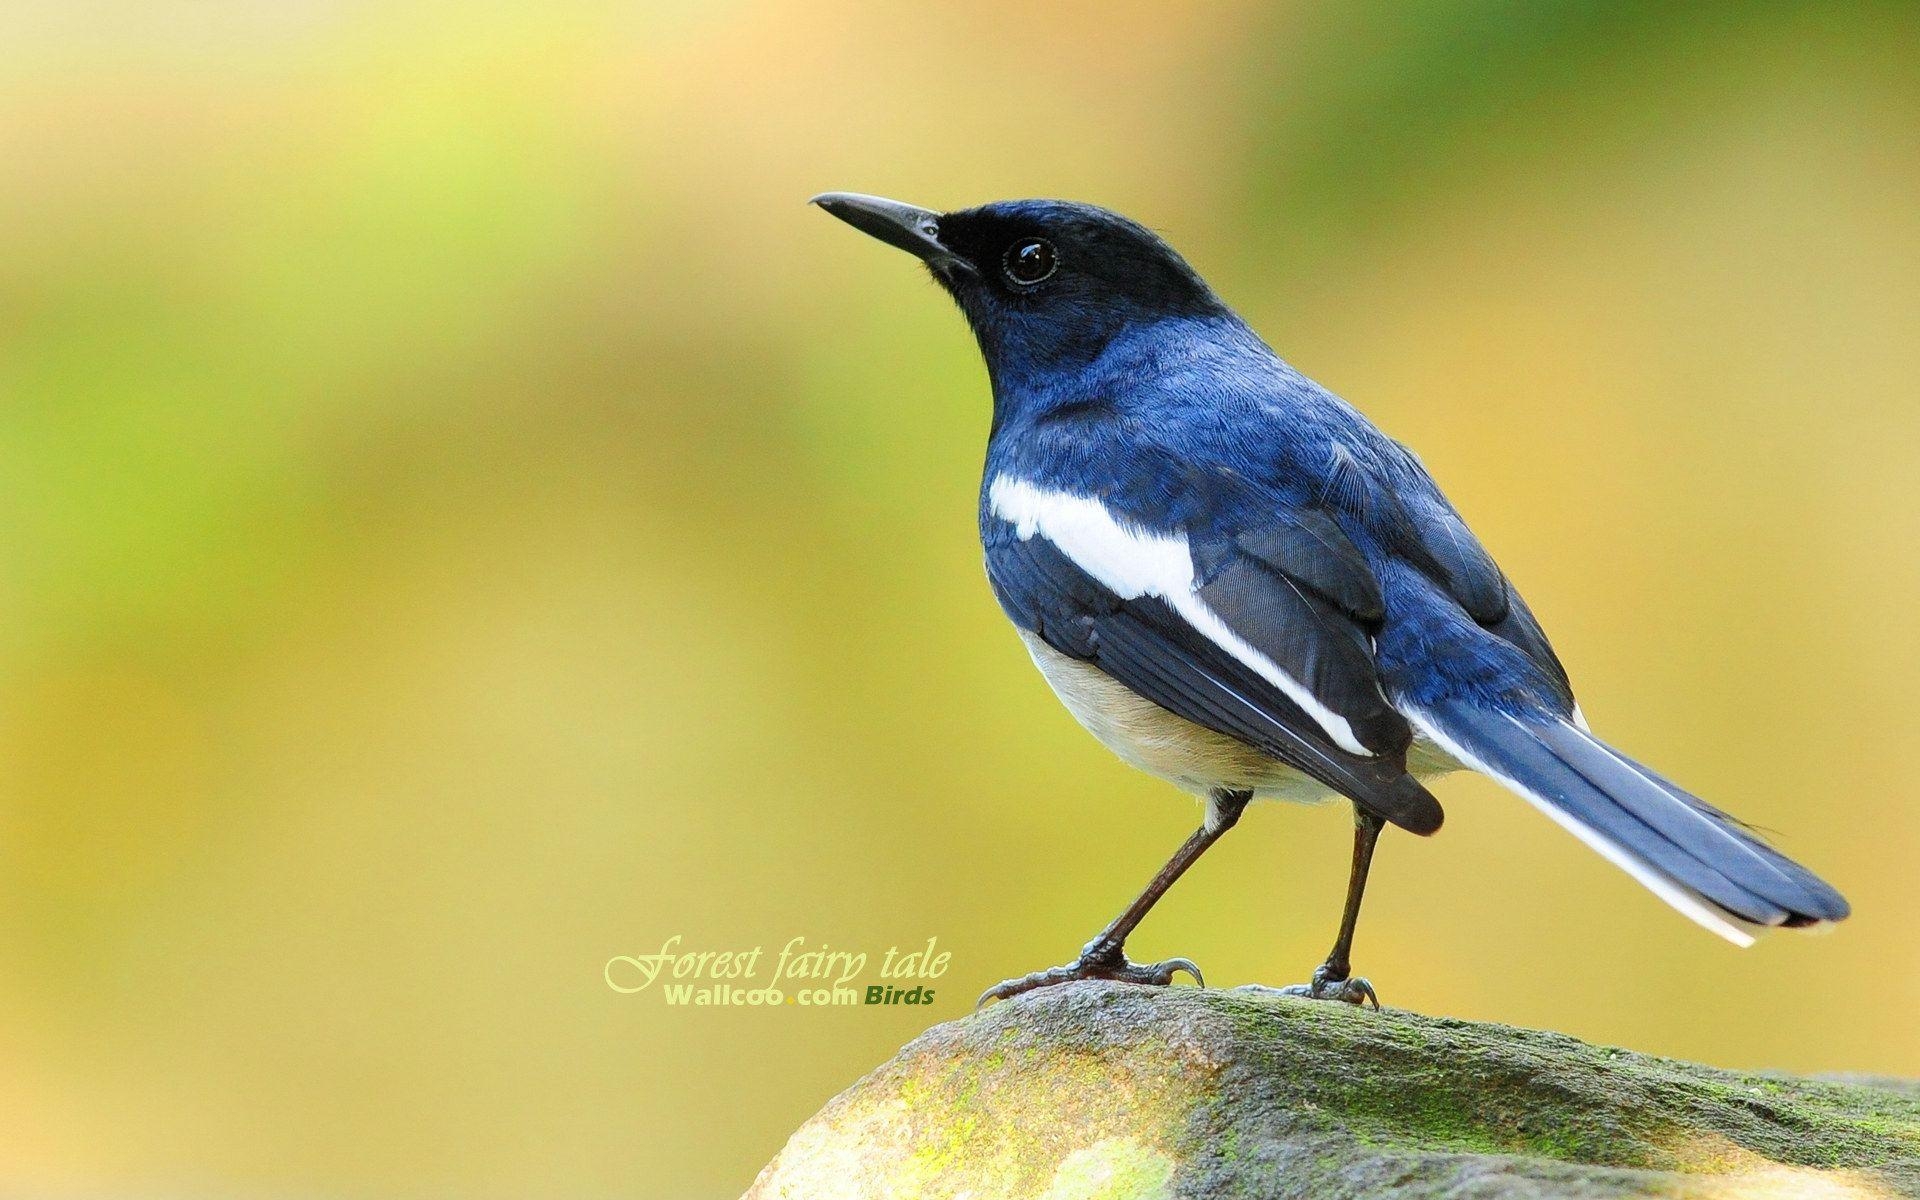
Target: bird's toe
{"x":1096,"y":962}
{"x":1350,"y":989}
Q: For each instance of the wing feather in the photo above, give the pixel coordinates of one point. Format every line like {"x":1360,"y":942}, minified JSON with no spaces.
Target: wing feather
{"x":1147,"y":643}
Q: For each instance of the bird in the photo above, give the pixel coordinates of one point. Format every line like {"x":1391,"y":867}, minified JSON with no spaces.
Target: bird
{"x":1236,"y":582}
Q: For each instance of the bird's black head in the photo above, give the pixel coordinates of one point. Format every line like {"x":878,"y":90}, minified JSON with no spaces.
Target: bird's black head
{"x":1046,"y":284}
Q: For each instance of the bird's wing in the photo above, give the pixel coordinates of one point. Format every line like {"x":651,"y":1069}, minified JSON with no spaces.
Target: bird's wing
{"x":1428,"y":533}
{"x":1257,"y":630}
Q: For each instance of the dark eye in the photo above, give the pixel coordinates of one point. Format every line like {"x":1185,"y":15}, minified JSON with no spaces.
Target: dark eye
{"x":1030,"y":260}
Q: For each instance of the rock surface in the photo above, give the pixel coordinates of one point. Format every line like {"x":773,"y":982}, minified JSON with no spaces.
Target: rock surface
{"x":1123,"y":1093}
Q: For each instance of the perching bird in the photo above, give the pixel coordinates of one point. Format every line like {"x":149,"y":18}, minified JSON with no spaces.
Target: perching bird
{"x":1237,"y":583}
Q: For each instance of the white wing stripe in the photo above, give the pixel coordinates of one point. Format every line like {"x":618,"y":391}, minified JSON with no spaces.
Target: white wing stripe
{"x":1133,"y":562}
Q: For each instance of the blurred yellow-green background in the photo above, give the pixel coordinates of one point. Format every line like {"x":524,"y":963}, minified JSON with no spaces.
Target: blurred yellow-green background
{"x":466,"y":518}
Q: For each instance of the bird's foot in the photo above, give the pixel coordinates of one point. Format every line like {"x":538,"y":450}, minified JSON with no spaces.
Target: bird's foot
{"x":1097,"y":960}
{"x":1349,"y":988}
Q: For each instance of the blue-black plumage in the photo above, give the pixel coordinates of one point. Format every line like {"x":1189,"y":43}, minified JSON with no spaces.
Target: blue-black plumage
{"x":1237,"y":582}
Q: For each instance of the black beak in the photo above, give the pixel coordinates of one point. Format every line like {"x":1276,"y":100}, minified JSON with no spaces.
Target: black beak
{"x":915,"y":230}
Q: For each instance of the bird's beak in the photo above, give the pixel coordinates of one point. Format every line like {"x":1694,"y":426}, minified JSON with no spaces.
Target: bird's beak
{"x":915,"y":230}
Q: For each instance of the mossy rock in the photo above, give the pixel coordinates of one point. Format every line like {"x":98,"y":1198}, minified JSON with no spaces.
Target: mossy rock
{"x":1104,"y":1091}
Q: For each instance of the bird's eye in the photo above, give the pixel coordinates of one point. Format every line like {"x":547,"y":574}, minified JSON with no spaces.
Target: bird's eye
{"x":1030,"y":260}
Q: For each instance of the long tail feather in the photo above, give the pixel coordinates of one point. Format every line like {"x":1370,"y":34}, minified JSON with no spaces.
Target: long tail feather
{"x":1695,"y":857}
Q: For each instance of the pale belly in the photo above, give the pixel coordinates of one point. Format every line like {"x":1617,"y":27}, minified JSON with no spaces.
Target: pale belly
{"x":1190,"y":756}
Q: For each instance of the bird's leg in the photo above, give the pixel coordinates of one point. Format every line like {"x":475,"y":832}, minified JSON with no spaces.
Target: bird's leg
{"x":1103,"y":957}
{"x":1334,"y":979}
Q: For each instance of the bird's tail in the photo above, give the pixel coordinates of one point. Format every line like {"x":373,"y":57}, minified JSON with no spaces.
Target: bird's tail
{"x":1690,"y":854}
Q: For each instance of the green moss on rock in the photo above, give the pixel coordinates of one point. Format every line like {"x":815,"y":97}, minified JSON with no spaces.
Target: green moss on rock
{"x":1102,"y":1091}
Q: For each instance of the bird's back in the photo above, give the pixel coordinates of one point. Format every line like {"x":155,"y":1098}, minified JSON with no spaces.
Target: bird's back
{"x":1199,"y":426}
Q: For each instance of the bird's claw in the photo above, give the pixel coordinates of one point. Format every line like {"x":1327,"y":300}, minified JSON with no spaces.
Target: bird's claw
{"x":1351,"y":988}
{"x":1096,"y":961}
